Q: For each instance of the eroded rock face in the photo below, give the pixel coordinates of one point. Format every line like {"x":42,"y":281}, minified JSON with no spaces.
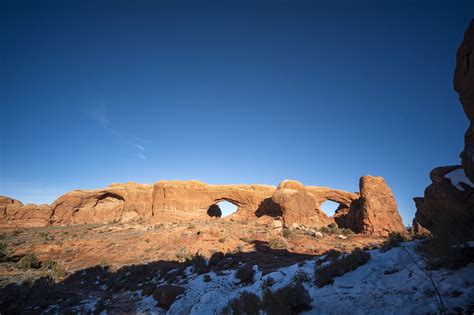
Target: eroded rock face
{"x":374,"y":211}
{"x":464,"y":86}
{"x":174,"y":201}
{"x":15,"y":214}
{"x":379,"y":207}
{"x":185,"y":200}
{"x":301,"y":204}
{"x":448,"y":203}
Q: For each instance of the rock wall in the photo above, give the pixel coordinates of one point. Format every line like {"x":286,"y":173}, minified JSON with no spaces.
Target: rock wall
{"x":373,"y":211}
{"x":464,"y":86}
{"x":448,"y":203}
{"x":14,"y":213}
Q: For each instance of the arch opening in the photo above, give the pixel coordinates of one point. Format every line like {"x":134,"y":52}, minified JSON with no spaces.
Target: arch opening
{"x":329,"y":207}
{"x":222,"y":209}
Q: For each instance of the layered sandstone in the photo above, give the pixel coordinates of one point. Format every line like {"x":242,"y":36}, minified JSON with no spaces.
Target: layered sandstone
{"x":14,"y":213}
{"x":372,"y":211}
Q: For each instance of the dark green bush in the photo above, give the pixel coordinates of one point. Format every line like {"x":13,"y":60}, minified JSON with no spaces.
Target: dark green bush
{"x":245,"y":274}
{"x":291,"y":299}
{"x":29,"y":261}
{"x":339,"y":266}
{"x":300,"y":277}
{"x":394,"y":240}
{"x":246,"y":304}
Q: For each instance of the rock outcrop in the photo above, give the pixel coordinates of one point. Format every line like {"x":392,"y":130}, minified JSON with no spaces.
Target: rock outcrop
{"x":448,"y":203}
{"x":14,"y":213}
{"x":464,"y":86}
{"x":373,"y":211}
{"x":378,"y":207}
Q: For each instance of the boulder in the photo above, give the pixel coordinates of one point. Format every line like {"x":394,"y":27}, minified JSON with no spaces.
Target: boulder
{"x":464,"y":86}
{"x":448,"y":203}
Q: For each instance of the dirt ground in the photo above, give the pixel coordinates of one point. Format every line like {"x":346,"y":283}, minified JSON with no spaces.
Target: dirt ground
{"x":117,"y":245}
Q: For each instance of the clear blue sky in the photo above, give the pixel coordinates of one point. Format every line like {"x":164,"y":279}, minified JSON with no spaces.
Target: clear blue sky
{"x":228,"y":92}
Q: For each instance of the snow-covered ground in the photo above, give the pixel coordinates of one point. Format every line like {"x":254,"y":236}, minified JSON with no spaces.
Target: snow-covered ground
{"x":404,"y":289}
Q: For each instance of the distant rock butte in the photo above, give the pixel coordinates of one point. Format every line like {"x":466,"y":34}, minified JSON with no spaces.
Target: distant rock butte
{"x":372,"y":211}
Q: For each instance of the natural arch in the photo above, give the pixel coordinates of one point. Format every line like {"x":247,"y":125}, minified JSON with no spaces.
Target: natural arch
{"x":222,"y":208}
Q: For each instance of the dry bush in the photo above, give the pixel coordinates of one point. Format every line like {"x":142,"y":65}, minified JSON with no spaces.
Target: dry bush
{"x":394,"y":240}
{"x":245,"y":274}
{"x":278,"y":243}
{"x":247,"y":303}
{"x":29,"y":261}
{"x":291,"y":299}
{"x":339,"y":266}
{"x":300,"y":277}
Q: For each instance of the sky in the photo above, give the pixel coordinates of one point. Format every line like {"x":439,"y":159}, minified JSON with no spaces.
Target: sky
{"x":227,"y":92}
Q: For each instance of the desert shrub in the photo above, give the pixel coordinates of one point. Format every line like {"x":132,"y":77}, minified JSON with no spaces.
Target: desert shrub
{"x":58,"y":272}
{"x":191,"y":227}
{"x":200,"y":263}
{"x":286,"y":233}
{"x":346,"y":232}
{"x":157,"y":227}
{"x":29,"y":261}
{"x":245,"y":274}
{"x":291,"y":299}
{"x":325,"y":230}
{"x":333,"y":254}
{"x":267,"y":283}
{"x":222,"y":240}
{"x":394,"y":240}
{"x":246,"y":304}
{"x":183,"y":255}
{"x":2,"y":236}
{"x":3,"y":251}
{"x":300,"y":277}
{"x":278,"y":243}
{"x":339,"y":266}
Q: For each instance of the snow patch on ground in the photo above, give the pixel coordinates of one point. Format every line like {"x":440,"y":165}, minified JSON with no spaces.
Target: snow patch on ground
{"x":367,"y":290}
{"x":457,"y":177}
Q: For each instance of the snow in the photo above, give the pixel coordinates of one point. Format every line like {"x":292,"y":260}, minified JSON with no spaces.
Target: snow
{"x":367,"y":290}
{"x":457,"y":177}
{"x":404,"y":289}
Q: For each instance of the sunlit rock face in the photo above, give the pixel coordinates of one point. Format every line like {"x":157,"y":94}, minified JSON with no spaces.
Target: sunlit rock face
{"x":373,"y":211}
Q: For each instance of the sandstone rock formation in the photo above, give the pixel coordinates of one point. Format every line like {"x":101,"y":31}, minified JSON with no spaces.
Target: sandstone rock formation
{"x":29,"y":215}
{"x":464,"y":86}
{"x":447,"y":204}
{"x":373,"y":211}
